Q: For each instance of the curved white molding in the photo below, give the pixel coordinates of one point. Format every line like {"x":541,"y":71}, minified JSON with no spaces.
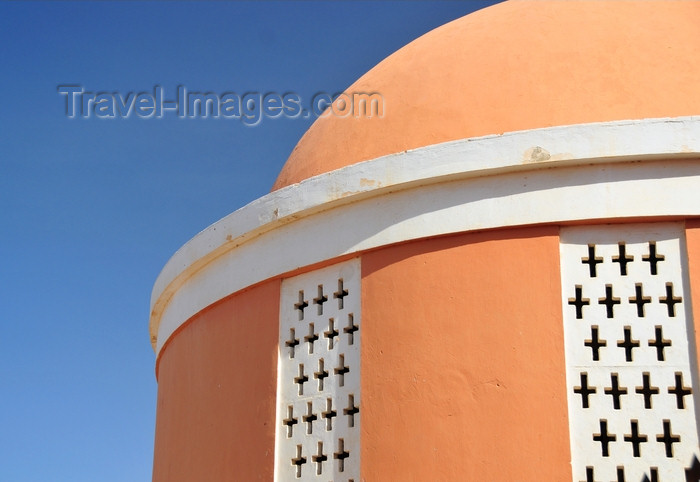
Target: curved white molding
{"x":603,"y":170}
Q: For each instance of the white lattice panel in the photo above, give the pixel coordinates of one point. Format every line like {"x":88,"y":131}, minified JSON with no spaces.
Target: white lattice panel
{"x":318,"y":413}
{"x":629,"y":373}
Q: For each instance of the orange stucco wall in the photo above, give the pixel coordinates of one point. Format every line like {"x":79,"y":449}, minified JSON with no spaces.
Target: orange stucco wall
{"x":463,"y":360}
{"x":217,"y":382}
{"x":463,"y":369}
{"x":692,"y":235}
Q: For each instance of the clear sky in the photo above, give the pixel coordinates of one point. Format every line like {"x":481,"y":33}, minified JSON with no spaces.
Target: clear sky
{"x":92,"y":208}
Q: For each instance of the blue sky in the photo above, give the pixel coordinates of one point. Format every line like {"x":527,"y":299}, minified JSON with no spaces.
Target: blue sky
{"x":91,"y":209}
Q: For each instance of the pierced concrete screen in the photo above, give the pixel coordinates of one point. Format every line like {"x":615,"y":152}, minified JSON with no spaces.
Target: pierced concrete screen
{"x":318,"y":413}
{"x":630,"y":361}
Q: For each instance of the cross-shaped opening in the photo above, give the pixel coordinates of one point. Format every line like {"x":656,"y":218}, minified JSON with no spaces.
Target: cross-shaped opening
{"x":668,"y":438}
{"x":351,"y":329}
{"x":639,"y":299}
{"x":298,"y":461}
{"x":628,"y":343}
{"x":579,"y":301}
{"x":331,"y":333}
{"x":680,"y":391}
{"x":692,"y":472}
{"x":319,"y":458}
{"x":290,"y":421}
{"x":604,"y":438}
{"x":301,"y":379}
{"x":659,"y":342}
{"x":620,"y":474}
{"x":592,"y":261}
{"x":351,"y":410}
{"x":635,"y":438}
{"x":616,"y":391}
{"x":320,"y":299}
{"x":341,"y":455}
{"x":309,"y":418}
{"x":311,"y":338}
{"x":590,"y":477}
{"x":609,"y":301}
{"x":328,"y":414}
{"x":292,"y":342}
{"x":653,"y":475}
{"x":584,"y":390}
{"x":341,"y":370}
{"x":647,"y":390}
{"x":653,"y":258}
{"x":320,"y":374}
{"x":340,"y":294}
{"x":670,"y":301}
{"x":301,"y":304}
{"x":622,"y":258}
{"x":594,"y":343}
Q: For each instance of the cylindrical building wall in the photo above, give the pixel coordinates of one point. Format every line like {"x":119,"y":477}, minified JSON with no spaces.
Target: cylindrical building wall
{"x":463,"y":359}
{"x":463,"y":367}
{"x":519,"y":305}
{"x":217,"y":384}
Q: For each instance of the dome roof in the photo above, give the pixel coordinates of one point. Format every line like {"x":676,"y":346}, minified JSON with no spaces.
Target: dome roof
{"x":518,"y":65}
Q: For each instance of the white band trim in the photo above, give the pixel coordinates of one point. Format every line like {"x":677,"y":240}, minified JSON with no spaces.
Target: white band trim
{"x":458,"y":186}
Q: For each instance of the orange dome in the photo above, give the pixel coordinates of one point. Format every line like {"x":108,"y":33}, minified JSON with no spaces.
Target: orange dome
{"x":518,"y":65}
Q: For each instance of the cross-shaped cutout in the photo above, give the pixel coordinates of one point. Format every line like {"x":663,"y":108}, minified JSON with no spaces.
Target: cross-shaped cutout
{"x":635,"y":438}
{"x":653,"y":475}
{"x":341,"y":370}
{"x":301,"y":304}
{"x":615,"y":391}
{"x":292,"y":342}
{"x":298,"y":461}
{"x":604,"y":438}
{"x":331,"y":333}
{"x":670,"y":301}
{"x":319,"y":458}
{"x":579,"y":302}
{"x":639,"y":299}
{"x":620,"y":474}
{"x":320,"y":374}
{"x":584,"y":390}
{"x":609,"y":301}
{"x":328,"y":414}
{"x":290,"y":421}
{"x":351,"y":410}
{"x":301,"y":379}
{"x":668,"y":438}
{"x":594,"y":343}
{"x":351,"y":329}
{"x":309,"y":418}
{"x":628,"y":343}
{"x":592,"y":261}
{"x":341,"y":455}
{"x":311,"y":338}
{"x":653,"y":258}
{"x":340,"y":294}
{"x":692,"y":473}
{"x":590,"y":477}
{"x":622,"y":258}
{"x":647,"y":390}
{"x":680,"y":391}
{"x":320,"y":299}
{"x":659,"y":342}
